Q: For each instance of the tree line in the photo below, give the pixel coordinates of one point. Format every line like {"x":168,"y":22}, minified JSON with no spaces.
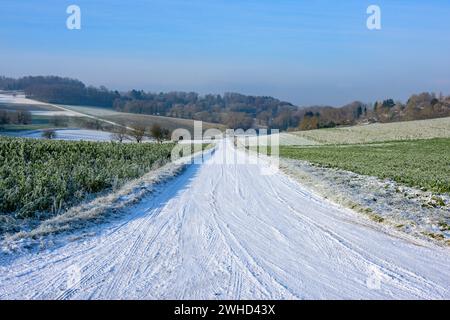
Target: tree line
{"x":53,"y":89}
{"x":15,"y":117}
{"x":139,"y":132}
{"x":121,"y":133}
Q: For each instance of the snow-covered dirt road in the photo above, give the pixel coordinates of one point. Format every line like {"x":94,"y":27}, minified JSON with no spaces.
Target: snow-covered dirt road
{"x":225,"y":231}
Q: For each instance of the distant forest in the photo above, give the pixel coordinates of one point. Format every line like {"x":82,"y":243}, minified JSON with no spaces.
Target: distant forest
{"x":231,"y":109}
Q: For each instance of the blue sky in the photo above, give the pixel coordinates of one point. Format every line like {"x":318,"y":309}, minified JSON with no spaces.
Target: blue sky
{"x":306,"y":52}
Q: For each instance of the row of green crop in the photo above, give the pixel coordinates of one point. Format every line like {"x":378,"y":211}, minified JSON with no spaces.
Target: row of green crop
{"x":44,"y":177}
{"x":418,"y":163}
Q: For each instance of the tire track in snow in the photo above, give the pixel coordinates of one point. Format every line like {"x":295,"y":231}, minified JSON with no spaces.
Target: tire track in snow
{"x":394,"y":272}
{"x":251,"y":267}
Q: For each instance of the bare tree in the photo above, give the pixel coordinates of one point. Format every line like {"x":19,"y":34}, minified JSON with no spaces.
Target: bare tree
{"x":60,"y":121}
{"x":159,"y":133}
{"x":24,"y":117}
{"x":49,"y":134}
{"x":138,"y":133}
{"x":98,"y":125}
{"x":120,"y":134}
{"x":4,"y":117}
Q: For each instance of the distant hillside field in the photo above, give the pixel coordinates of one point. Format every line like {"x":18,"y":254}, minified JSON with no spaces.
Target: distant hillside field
{"x":131,"y":119}
{"x":44,"y":116}
{"x":26,"y":107}
{"x":377,"y":132}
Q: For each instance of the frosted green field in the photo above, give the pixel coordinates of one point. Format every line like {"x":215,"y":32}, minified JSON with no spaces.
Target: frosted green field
{"x":416,"y":163}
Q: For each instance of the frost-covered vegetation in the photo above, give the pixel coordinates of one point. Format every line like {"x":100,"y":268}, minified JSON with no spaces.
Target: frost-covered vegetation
{"x":42,"y":178}
{"x":423,"y":214}
{"x":418,"y":163}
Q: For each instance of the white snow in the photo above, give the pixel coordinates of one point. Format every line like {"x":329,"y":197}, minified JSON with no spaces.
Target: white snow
{"x":18,"y":99}
{"x":284,"y":138}
{"x":54,"y":113}
{"x":224,"y":231}
{"x":71,"y":134}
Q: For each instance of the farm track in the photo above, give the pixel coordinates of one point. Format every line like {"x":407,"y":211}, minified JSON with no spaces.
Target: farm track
{"x":225,"y":231}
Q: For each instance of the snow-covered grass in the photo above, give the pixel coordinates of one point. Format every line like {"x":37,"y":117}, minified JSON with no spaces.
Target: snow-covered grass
{"x":423,"y":214}
{"x":284,"y":138}
{"x":54,"y":113}
{"x":377,"y":132}
{"x":133,"y":119}
{"x":93,"y":111}
{"x":360,"y":134}
{"x":70,"y":135}
{"x":19,"y":98}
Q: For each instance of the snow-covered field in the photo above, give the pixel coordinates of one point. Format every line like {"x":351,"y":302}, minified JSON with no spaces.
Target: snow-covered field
{"x":54,"y":113}
{"x":379,"y":132}
{"x":376,"y":132}
{"x":19,"y":99}
{"x":70,"y":134}
{"x":88,"y":135}
{"x":225,"y":231}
